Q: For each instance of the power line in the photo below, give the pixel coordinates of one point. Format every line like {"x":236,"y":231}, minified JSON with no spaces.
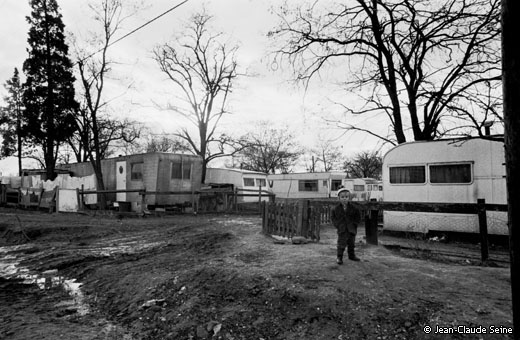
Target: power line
{"x":135,"y":30}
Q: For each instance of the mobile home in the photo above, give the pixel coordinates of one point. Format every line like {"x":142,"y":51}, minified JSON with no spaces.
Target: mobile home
{"x":240,"y":179}
{"x":364,"y":189}
{"x":155,"y":171}
{"x":306,"y":185}
{"x":445,"y":171}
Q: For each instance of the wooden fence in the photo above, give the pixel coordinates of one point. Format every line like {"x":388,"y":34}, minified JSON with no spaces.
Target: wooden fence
{"x":210,"y":200}
{"x":290,"y":219}
{"x":37,"y":198}
{"x":277,"y":219}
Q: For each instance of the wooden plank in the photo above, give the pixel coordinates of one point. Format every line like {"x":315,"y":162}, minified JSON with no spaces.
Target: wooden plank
{"x":47,"y":200}
{"x":89,"y":192}
{"x":299,"y":218}
{"x":305,"y":219}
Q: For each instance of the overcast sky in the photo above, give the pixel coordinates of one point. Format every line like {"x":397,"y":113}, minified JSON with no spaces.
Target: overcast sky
{"x":268,"y":95}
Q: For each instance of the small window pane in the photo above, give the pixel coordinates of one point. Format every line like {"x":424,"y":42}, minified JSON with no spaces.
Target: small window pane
{"x":176,"y":170}
{"x":308,"y":185}
{"x":136,"y":173}
{"x":186,"y":171}
{"x":450,"y":173}
{"x":249,"y":182}
{"x":359,"y":187}
{"x":335,"y":184}
{"x":325,"y":184}
{"x":260,"y":182}
{"x":407,"y":174}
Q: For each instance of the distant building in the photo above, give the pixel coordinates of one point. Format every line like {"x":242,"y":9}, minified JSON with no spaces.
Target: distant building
{"x":364,"y":189}
{"x":240,"y":179}
{"x":306,"y":184}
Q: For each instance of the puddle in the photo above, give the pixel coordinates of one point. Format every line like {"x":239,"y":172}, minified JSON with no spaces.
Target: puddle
{"x":10,"y":268}
{"x":237,"y":221}
{"x":125,"y":248}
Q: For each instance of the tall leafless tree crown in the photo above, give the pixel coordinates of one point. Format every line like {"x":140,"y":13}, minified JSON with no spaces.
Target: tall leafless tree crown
{"x":203,"y":68}
{"x":431,"y":67}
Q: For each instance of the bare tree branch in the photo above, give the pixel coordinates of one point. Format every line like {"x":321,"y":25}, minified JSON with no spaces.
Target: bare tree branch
{"x":421,"y":61}
{"x":203,"y":69}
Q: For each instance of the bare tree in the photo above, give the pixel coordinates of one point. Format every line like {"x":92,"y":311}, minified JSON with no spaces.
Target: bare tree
{"x":364,"y":164}
{"x":268,"y":149}
{"x":328,"y":154}
{"x":203,"y":68}
{"x":174,"y":144}
{"x":429,"y":66}
{"x":310,"y":161}
{"x":97,"y":129}
{"x":113,"y":134}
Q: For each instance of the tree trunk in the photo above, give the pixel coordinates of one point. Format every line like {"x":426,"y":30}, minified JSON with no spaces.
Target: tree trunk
{"x":511,"y":90}
{"x":102,"y":199}
{"x":19,"y":139}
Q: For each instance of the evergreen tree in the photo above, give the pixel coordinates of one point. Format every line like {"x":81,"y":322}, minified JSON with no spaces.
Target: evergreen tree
{"x":10,"y":120}
{"x":49,"y":89}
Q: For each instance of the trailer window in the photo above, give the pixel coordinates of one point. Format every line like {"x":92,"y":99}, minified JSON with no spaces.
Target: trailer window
{"x":450,"y":173}
{"x":186,"y":171}
{"x":308,"y":185}
{"x":335,"y":184}
{"x":260,"y":182}
{"x":181,"y":170}
{"x":136,"y":172}
{"x":249,"y":182}
{"x":359,"y":187}
{"x":176,"y":170}
{"x":407,"y":174}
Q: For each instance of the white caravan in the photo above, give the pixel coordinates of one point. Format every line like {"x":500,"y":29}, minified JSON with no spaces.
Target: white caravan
{"x":241,"y":179}
{"x":306,"y":184}
{"x":364,"y":189}
{"x":445,"y":171}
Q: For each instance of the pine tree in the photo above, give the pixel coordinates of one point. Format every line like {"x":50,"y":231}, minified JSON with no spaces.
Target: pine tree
{"x":10,"y":120}
{"x":48,"y":93}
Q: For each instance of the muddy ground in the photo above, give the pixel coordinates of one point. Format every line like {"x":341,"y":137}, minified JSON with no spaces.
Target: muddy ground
{"x":217,"y":277}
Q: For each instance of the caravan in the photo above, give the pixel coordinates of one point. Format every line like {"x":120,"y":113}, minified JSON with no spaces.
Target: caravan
{"x":445,"y":171}
{"x":306,"y":185}
{"x":240,"y":179}
{"x":156,"y":171}
{"x":364,"y":189}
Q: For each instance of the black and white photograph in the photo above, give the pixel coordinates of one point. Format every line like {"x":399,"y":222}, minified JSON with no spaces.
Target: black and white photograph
{"x":259,"y":169}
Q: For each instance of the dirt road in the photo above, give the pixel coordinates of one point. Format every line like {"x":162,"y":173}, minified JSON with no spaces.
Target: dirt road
{"x":218,"y":277}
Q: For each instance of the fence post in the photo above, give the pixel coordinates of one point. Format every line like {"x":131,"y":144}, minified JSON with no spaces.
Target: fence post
{"x":235,"y":199}
{"x":264,"y":217}
{"x":482,"y":223}
{"x":143,"y":201}
{"x":371,"y":225}
{"x":306,"y":218}
{"x":260,"y":198}
{"x":299,"y":218}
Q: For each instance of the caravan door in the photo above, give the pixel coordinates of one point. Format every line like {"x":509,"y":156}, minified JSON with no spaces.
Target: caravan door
{"x":121,"y":181}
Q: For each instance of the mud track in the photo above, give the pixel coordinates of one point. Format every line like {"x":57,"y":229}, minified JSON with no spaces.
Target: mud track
{"x":218,"y":277}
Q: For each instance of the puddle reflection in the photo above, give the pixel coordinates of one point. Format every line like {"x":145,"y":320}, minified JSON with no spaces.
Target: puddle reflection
{"x":10,"y":268}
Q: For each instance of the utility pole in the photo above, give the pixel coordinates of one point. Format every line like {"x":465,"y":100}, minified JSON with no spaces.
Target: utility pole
{"x":511,"y":90}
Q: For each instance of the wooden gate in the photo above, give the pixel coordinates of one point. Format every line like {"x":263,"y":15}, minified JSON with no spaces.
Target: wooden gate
{"x":289,"y":219}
